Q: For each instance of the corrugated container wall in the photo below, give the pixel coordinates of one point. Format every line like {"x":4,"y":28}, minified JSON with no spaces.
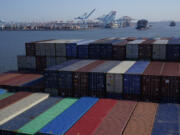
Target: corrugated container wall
{"x":159,"y":49}
{"x":97,"y":78}
{"x":65,"y":77}
{"x":26,"y":62}
{"x":145,"y":49}
{"x":119,"y":50}
{"x":132,"y":49}
{"x":173,"y":50}
{"x":114,"y":77}
{"x":151,"y":81}
{"x":170,"y":83}
{"x":132,"y":79}
{"x":51,"y":77}
{"x":83,"y":48}
{"x":81,"y":78}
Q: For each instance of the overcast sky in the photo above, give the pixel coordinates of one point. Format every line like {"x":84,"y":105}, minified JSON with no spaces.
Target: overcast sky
{"x":50,"y":10}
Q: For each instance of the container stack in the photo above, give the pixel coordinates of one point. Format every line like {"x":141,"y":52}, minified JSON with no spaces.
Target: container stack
{"x":22,"y":82}
{"x":37,"y":113}
{"x":44,"y":54}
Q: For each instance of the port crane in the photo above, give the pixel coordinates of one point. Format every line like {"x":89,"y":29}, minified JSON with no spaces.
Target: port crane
{"x":109,"y":18}
{"x":124,"y":21}
{"x":85,"y":16}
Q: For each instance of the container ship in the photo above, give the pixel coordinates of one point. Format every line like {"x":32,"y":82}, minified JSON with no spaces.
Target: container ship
{"x":80,"y":86}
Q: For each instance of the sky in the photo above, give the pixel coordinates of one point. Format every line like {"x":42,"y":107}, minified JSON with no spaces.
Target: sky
{"x":51,"y":10}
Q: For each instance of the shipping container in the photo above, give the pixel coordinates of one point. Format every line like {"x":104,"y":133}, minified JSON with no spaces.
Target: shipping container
{"x":51,"y":77}
{"x":151,"y":81}
{"x":65,"y":77}
{"x":21,"y":106}
{"x":167,"y":120}
{"x":116,"y":120}
{"x":31,"y":47}
{"x":89,"y":122}
{"x":40,"y":49}
{"x":170,"y":83}
{"x":81,"y":78}
{"x":60,"y":60}
{"x":142,"y":119}
{"x":2,"y":91}
{"x":13,"y":99}
{"x":5,"y":95}
{"x":71,"y":49}
{"x":82,"y":49}
{"x":40,"y":63}
{"x":50,"y":61}
{"x":102,"y":48}
{"x":132,"y":80}
{"x":60,"y":47}
{"x":97,"y":78}
{"x":132,"y":49}
{"x":19,"y":121}
{"x":26,"y":62}
{"x":159,"y":49}
{"x":145,"y":49}
{"x":114,"y":77}
{"x":43,"y":119}
{"x":173,"y":50}
{"x":119,"y":50}
{"x":62,"y":123}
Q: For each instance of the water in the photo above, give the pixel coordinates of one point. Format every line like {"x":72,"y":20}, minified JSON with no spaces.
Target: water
{"x":12,"y":42}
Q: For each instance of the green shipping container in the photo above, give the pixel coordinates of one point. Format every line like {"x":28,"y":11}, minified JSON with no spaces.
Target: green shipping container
{"x":39,"y":122}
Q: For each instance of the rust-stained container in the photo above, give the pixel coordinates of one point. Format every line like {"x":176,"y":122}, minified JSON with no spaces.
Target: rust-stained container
{"x":170,"y":84}
{"x":119,"y":50}
{"x":142,"y":119}
{"x":12,"y":99}
{"x":81,"y":79}
{"x":92,"y":119}
{"x":40,"y":63}
{"x":145,"y":50}
{"x":117,"y":119}
{"x":151,"y":81}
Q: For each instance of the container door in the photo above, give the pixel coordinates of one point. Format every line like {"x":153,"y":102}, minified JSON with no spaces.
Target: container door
{"x":110,"y":82}
{"x":118,"y":83}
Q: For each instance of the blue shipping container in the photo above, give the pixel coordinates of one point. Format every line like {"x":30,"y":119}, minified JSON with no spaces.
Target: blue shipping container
{"x":94,"y":51}
{"x":132,"y":78}
{"x":167,"y":120}
{"x":62,"y":123}
{"x":173,"y":50}
{"x":82,"y":48}
{"x":2,"y":91}
{"x":51,"y":74}
{"x":19,"y":121}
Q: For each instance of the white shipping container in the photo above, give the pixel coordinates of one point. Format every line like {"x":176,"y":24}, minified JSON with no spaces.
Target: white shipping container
{"x":159,"y":49}
{"x":132,"y":49}
{"x":50,"y":61}
{"x":21,"y":106}
{"x":60,"y":60}
{"x":114,"y":77}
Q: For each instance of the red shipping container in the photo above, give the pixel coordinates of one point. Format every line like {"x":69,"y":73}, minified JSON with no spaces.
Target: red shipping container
{"x":145,"y":50}
{"x":119,"y":50}
{"x":12,"y":99}
{"x":115,"y":122}
{"x":170,"y":88}
{"x":91,"y":120}
{"x":142,"y":119}
{"x":80,"y":78}
{"x":151,"y":81}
